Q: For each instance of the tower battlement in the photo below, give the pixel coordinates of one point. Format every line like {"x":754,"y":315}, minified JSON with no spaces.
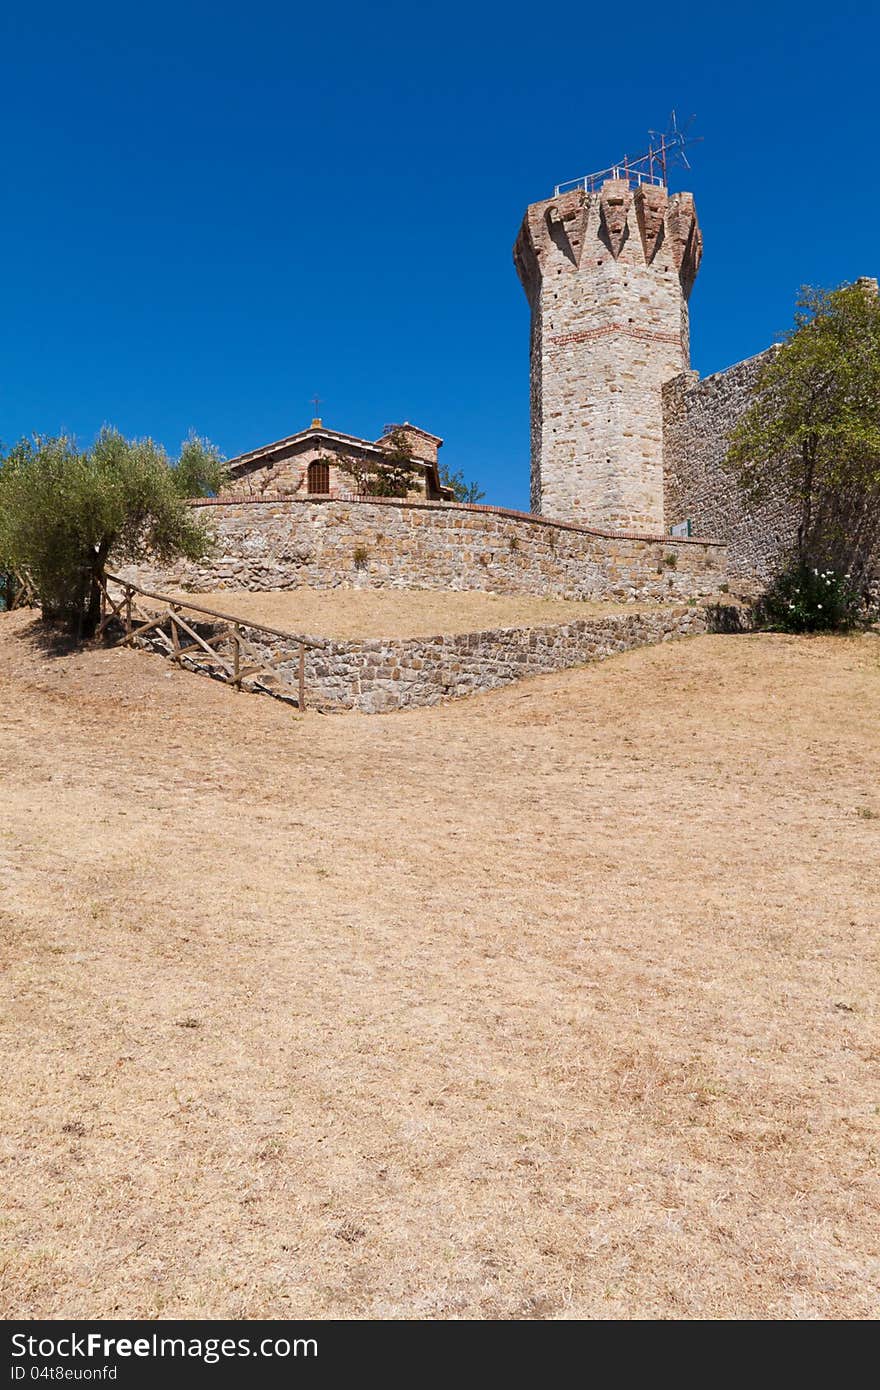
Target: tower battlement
{"x":607,"y":274}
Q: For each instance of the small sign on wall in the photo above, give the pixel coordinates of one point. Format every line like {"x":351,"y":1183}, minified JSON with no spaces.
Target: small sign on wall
{"x":681,"y":528}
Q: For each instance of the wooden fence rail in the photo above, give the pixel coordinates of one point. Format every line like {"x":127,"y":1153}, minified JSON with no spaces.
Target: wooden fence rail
{"x":225,"y":651}
{"x":18,"y":590}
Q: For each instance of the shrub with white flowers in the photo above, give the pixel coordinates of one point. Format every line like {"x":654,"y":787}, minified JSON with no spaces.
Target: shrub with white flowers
{"x":806,"y":598}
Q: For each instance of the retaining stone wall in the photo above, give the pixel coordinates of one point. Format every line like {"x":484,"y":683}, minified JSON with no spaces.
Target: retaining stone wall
{"x":270,"y":545}
{"x":374,"y":675}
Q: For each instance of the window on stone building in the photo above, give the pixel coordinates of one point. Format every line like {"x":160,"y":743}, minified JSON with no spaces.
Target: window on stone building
{"x":319,"y":476}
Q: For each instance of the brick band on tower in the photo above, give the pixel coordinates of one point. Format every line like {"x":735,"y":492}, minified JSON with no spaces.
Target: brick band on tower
{"x":607,"y":275}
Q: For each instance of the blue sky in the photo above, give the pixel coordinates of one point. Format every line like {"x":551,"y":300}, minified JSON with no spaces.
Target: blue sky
{"x":212,"y":212}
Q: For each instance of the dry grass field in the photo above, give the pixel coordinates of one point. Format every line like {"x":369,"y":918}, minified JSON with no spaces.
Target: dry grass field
{"x":354,"y":613}
{"x":556,"y":1002}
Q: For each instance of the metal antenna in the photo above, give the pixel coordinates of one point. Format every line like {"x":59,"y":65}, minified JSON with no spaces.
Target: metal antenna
{"x":673,"y":141}
{"x":666,"y":151}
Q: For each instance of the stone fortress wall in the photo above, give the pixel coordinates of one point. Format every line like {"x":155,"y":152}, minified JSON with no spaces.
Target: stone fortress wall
{"x":697,"y":419}
{"x":288,"y":543}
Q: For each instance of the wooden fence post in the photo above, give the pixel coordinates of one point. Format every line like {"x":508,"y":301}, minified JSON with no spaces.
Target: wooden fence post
{"x":236,"y":666}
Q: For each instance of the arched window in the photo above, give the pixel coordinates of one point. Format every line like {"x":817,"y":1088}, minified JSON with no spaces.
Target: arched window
{"x":319,"y":476}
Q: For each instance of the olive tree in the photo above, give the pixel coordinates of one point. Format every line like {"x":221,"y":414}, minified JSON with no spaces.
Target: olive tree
{"x":66,"y":513}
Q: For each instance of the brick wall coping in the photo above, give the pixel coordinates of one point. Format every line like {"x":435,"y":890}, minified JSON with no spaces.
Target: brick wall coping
{"x":467,"y":507}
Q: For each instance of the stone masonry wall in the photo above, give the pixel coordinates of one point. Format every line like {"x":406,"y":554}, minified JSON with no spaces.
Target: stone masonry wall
{"x":376,"y":675}
{"x":263,"y":545}
{"x":285,"y":474}
{"x":607,"y":275}
{"x":698,"y":418}
{"x":379,"y":674}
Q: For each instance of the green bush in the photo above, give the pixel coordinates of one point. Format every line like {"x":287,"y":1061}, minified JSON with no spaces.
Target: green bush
{"x":804,"y":598}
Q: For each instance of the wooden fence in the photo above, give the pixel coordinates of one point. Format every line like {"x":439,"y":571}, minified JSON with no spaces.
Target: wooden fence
{"x":225,"y":652}
{"x":17,"y":591}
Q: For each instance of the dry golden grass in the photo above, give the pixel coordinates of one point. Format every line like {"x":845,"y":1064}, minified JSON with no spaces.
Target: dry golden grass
{"x":353,"y":613}
{"x":557,"y":1002}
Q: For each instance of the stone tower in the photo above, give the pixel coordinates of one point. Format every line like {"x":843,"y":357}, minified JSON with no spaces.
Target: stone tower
{"x":607,"y":274}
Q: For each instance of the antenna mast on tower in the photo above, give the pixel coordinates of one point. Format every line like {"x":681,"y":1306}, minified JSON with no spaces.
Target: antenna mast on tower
{"x":665,"y":151}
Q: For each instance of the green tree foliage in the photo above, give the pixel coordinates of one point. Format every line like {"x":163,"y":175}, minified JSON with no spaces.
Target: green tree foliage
{"x":814,"y":427}
{"x":65,"y":513}
{"x":200,"y":470}
{"x":399,"y":471}
{"x":396,"y":476}
{"x":360,"y":470}
{"x":462,"y":490}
